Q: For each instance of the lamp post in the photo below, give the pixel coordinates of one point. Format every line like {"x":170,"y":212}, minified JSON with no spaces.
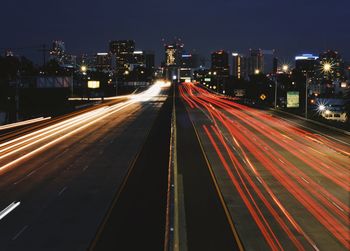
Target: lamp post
{"x":285,"y":69}
{"x":83,"y":70}
{"x":276,"y":85}
{"x":306,"y":94}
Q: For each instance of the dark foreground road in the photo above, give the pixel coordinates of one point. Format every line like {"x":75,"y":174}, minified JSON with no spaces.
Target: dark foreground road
{"x":136,"y":220}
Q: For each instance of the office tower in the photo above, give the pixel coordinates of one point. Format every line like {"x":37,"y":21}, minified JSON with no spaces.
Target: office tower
{"x":256,"y":61}
{"x":220,"y":63}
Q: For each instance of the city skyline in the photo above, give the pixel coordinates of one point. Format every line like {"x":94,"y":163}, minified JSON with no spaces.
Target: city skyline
{"x":291,"y":29}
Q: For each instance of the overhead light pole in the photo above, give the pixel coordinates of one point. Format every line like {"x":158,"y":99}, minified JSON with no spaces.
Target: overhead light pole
{"x":285,"y":69}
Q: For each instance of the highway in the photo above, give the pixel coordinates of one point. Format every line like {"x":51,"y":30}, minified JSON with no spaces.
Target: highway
{"x":284,"y":181}
{"x":58,"y":179}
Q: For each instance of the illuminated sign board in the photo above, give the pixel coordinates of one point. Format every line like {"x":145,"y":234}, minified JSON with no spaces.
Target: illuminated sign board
{"x":93,"y":84}
{"x":207,"y":79}
{"x":292,"y":99}
{"x":239,"y":92}
{"x":263,"y":97}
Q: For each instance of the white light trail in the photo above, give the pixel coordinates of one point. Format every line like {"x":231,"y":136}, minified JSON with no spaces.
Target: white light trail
{"x":22,"y":123}
{"x":9,"y":209}
{"x":34,"y":142}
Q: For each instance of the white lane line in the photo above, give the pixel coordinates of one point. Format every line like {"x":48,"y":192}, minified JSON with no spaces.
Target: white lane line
{"x":8,"y":209}
{"x":258,"y":178}
{"x":62,"y":191}
{"x":335,"y":204}
{"x":20,"y":232}
{"x":31,"y":173}
{"x":305,"y":180}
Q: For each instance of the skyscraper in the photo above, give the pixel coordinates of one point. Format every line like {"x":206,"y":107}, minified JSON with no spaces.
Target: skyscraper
{"x":150,"y":60}
{"x":256,"y":61}
{"x":334,"y":59}
{"x":306,"y":63}
{"x":173,"y":53}
{"x":239,"y":66}
{"x":103,"y":61}
{"x":220,"y":63}
{"x":57,"y":51}
{"x":124,"y":53}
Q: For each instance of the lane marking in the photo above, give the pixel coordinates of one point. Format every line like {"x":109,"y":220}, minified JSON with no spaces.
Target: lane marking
{"x":220,"y":195}
{"x":9,"y":209}
{"x":335,"y":204}
{"x":305,"y":180}
{"x":258,"y":178}
{"x":31,"y":173}
{"x":62,"y":191}
{"x":20,"y":232}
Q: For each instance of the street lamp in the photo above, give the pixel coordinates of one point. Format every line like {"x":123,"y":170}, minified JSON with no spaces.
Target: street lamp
{"x":285,"y":68}
{"x":306,"y":94}
{"x":321,"y":108}
{"x":327,"y":67}
{"x":83,"y":68}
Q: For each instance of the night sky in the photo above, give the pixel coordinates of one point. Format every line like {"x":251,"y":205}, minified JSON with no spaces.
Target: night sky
{"x":289,"y":26}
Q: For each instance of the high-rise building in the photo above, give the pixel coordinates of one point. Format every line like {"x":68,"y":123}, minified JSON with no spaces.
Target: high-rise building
{"x":173,"y":53}
{"x":256,"y":62}
{"x":103,"y":61}
{"x":58,"y":48}
{"x":150,"y":60}
{"x":336,"y":64}
{"x":307,"y":64}
{"x":187,"y":66}
{"x":138,"y":58}
{"x":58,"y":53}
{"x":124,"y":54}
{"x":220,"y":63}
{"x":239,"y":66}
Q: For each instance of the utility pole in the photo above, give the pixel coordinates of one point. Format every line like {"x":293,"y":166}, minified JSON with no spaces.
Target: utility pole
{"x":17,"y":95}
{"x":306,"y":94}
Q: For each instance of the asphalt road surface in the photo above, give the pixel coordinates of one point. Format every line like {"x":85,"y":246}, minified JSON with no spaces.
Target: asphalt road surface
{"x":57,"y":183}
{"x":206,"y":225}
{"x":136,"y":220}
{"x":284,"y":181}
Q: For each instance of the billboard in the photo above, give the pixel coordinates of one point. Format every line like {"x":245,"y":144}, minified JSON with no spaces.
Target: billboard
{"x":292,"y":99}
{"x":93,"y":84}
{"x":54,"y":82}
{"x":239,"y":92}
